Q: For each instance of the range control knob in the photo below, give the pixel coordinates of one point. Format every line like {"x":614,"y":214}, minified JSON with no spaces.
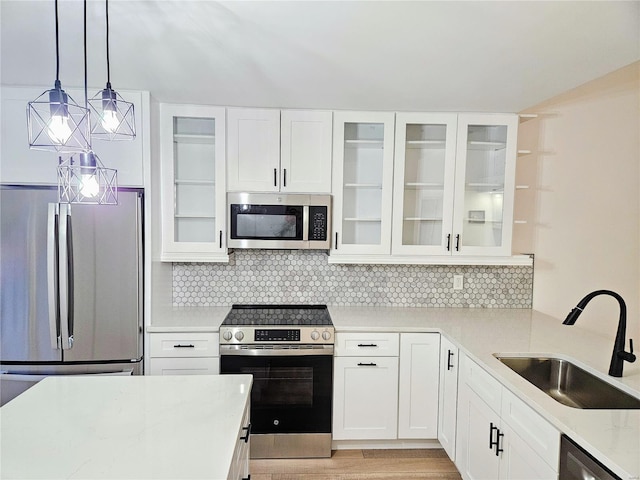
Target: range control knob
{"x":239,"y":335}
{"x":315,"y":335}
{"x":227,"y":335}
{"x":326,"y":335}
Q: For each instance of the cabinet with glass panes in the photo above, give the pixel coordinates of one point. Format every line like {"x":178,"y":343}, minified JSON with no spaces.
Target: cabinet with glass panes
{"x":454,"y":181}
{"x":362,"y":182}
{"x":193,"y":183}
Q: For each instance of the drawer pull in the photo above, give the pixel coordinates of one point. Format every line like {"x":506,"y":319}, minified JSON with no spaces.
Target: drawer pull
{"x":367,"y":365}
{"x":179,"y":345}
{"x":367,"y":345}
{"x":248,"y":430}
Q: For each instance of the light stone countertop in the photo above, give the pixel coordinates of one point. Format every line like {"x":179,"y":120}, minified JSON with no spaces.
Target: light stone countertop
{"x":611,"y":436}
{"x":140,"y":427}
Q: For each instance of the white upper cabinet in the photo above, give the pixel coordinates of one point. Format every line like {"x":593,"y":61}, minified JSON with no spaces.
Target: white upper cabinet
{"x":424,"y":172}
{"x":485,"y":184}
{"x":279,"y":151}
{"x":193,"y":183}
{"x":362,"y":182}
{"x":305,"y":151}
{"x":21,"y":165}
{"x":253,"y":150}
{"x":454,"y":184}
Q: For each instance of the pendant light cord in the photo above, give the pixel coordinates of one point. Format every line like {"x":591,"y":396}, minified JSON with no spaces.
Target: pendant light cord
{"x":106,"y":3}
{"x":57,"y":84}
{"x":86,"y":100}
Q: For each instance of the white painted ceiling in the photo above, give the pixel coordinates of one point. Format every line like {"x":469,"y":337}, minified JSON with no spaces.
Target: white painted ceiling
{"x":370,"y":55}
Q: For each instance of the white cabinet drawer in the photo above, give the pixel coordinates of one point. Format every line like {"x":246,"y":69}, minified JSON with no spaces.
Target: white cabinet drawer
{"x":184,"y":345}
{"x":487,"y":387}
{"x":185,"y":366}
{"x":367,"y":344}
{"x":540,"y":435}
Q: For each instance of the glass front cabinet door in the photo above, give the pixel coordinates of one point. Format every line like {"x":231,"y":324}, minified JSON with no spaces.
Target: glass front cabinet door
{"x":424,"y":171}
{"x":193,"y":183}
{"x":362,"y":183}
{"x":454,"y":180}
{"x":485,"y":184}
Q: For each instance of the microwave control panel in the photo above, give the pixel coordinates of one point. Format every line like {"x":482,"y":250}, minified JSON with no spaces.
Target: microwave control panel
{"x":318,"y":223}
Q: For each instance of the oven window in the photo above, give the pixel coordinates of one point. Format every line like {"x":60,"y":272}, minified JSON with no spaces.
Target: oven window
{"x":281,"y":385}
{"x":290,"y":394}
{"x":266,"y":226}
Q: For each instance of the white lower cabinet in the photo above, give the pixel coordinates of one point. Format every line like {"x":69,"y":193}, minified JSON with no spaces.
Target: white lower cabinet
{"x":448,"y":396}
{"x":366,"y":398}
{"x":184,"y":353}
{"x":418,"y":388}
{"x":498,"y":435}
{"x":240,"y":466}
{"x":386,"y":386}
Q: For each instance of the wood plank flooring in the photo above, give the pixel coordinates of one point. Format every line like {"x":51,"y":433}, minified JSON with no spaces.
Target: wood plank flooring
{"x":409,"y":464}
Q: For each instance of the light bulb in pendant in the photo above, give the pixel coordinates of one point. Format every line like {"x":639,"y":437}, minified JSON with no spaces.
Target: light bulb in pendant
{"x":58,"y":129}
{"x":89,"y":185}
{"x":109,"y":121}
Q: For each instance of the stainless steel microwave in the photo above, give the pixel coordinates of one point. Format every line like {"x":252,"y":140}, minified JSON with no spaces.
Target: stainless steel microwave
{"x":279,"y":221}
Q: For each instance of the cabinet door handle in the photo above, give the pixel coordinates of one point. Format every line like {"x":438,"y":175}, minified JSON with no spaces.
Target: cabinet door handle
{"x":248,"y":430}
{"x":448,"y":242}
{"x":499,"y":449}
{"x":275,"y":177}
{"x":367,"y":345}
{"x":336,"y":244}
{"x":449,"y":355}
{"x":284,"y":178}
{"x":491,"y":442}
{"x":457,"y":242}
{"x":367,"y":364}
{"x":220,"y":238}
{"x":179,"y":345}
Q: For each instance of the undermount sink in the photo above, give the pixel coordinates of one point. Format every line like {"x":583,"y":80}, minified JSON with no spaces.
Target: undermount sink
{"x":569,"y":384}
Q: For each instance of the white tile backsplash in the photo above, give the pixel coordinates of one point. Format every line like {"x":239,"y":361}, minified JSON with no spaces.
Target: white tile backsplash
{"x":304,"y":276}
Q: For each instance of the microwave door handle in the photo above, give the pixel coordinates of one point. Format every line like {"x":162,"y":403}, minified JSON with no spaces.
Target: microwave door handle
{"x":52,"y":276}
{"x":65,"y":281}
{"x":305,"y":223}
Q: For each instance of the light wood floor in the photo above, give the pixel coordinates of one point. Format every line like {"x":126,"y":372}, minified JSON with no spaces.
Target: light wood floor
{"x":410,"y":464}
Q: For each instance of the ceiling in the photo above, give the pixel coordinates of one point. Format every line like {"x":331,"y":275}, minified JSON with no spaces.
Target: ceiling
{"x":364,"y":55}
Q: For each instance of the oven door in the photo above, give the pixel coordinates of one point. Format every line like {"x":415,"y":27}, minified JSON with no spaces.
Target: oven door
{"x":292,"y":388}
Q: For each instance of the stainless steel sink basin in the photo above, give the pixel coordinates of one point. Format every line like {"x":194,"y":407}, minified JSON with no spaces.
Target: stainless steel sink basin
{"x":569,"y":384}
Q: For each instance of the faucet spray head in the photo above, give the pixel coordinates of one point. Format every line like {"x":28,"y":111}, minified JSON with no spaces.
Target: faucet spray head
{"x":573,"y":316}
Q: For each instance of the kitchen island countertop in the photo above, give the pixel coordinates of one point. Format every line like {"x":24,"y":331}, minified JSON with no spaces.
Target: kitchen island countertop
{"x":138,"y":427}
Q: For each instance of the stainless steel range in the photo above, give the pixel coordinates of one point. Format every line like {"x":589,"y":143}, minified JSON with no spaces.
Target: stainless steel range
{"x":289,"y":351}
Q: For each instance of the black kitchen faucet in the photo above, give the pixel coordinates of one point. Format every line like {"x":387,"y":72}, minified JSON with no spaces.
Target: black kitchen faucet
{"x":619,"y":355}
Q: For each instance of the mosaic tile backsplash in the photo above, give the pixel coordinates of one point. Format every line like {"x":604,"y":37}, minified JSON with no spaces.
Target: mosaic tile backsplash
{"x":304,"y":276}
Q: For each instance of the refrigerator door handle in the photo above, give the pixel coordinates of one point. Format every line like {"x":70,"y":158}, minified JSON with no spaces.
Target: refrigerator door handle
{"x":52,"y":276}
{"x":65,"y":281}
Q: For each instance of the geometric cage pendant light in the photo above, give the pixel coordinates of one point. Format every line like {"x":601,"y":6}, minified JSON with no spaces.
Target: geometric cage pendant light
{"x":115,"y":116}
{"x":55,"y":122}
{"x":81,"y":177}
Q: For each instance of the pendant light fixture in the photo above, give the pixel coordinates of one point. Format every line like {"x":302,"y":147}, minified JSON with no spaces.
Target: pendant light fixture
{"x":116,"y":120}
{"x":55,"y":122}
{"x":81,"y":177}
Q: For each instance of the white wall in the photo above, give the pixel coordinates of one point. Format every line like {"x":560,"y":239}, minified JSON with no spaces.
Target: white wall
{"x":583,"y":205}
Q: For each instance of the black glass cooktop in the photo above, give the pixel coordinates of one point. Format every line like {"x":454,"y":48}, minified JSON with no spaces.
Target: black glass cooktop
{"x":274,"y":315}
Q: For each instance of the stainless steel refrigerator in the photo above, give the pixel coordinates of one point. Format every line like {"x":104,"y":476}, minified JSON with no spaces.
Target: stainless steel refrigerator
{"x":71,"y":281}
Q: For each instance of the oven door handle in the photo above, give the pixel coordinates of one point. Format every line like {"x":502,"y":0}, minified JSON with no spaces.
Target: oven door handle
{"x":243,"y":351}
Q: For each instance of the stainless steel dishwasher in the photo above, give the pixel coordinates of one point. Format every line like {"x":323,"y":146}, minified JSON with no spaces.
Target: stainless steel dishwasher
{"x":577,"y":464}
